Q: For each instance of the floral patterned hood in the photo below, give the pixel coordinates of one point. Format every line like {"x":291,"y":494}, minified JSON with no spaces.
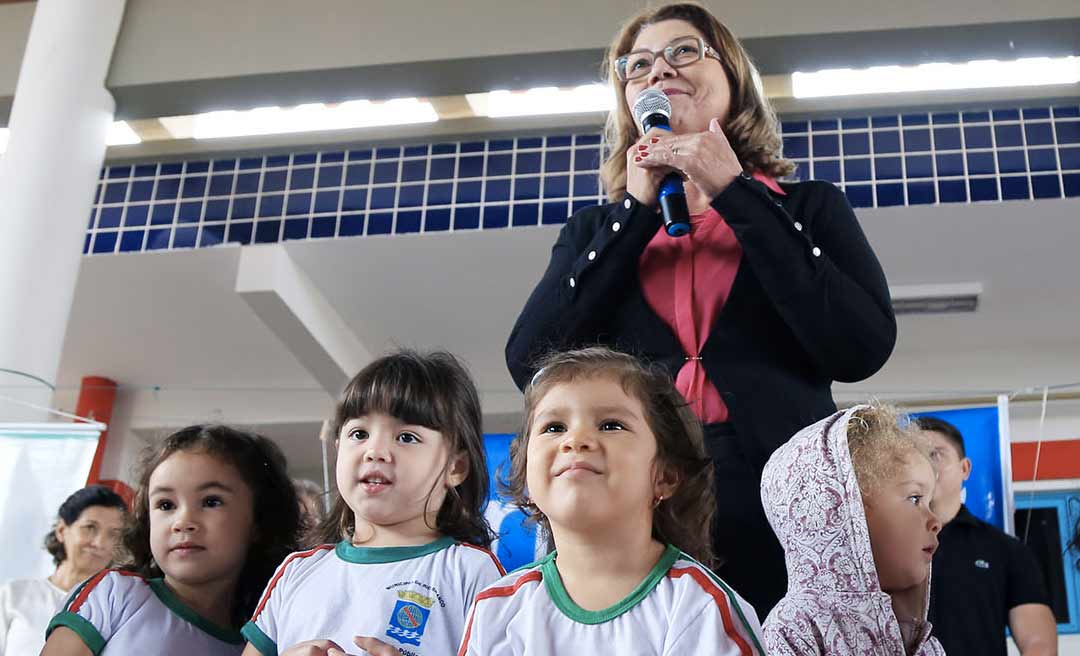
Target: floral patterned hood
{"x":834,"y":603}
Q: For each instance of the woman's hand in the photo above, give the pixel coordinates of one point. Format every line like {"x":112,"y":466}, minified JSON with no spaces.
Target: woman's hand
{"x":643,"y":182}
{"x":705,"y":158}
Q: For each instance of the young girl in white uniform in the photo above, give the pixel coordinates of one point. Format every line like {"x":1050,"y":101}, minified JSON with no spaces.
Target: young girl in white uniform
{"x":406,"y":543}
{"x":214,"y":514}
{"x":611,"y":463}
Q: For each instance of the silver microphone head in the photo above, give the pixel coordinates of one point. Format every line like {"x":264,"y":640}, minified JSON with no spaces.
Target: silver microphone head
{"x":648,"y":102}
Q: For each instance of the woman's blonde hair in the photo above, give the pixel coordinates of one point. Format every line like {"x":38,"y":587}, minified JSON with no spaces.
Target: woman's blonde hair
{"x":750,"y":126}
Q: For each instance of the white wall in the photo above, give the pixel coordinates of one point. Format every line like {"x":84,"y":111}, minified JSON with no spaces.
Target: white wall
{"x":1062,"y":420}
{"x":163,"y":41}
{"x":143,"y":414}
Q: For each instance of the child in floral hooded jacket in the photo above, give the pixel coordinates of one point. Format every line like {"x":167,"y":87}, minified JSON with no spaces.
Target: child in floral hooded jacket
{"x":849,"y":499}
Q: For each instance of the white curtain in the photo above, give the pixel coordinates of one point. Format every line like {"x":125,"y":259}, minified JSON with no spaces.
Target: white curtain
{"x":40,"y":465}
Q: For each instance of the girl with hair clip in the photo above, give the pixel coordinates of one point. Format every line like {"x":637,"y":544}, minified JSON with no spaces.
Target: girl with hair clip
{"x":610,"y":463}
{"x":214,"y":514}
{"x":406,"y":543}
{"x":849,"y":497}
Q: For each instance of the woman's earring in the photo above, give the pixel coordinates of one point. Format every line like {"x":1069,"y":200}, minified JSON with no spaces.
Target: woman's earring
{"x":657,"y":501}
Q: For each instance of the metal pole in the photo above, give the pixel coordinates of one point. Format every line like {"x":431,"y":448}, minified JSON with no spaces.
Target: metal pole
{"x":323,"y":437}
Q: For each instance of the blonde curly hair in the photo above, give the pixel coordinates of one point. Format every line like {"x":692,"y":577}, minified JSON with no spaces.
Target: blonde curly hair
{"x":881,"y":440}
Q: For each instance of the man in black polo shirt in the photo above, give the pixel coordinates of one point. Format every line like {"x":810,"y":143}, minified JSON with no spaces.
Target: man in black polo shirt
{"x":983,"y":579}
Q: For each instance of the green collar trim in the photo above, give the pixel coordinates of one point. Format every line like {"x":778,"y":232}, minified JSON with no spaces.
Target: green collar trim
{"x":375,"y":555}
{"x":184,"y":612}
{"x":557,"y":591}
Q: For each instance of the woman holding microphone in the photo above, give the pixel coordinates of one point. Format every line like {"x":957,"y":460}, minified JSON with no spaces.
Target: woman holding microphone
{"x":772,"y":295}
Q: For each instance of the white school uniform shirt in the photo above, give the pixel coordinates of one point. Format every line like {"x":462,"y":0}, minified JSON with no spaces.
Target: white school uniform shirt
{"x":413,"y":598}
{"x":26,"y":606}
{"x":680,"y":609}
{"x":119,"y":613}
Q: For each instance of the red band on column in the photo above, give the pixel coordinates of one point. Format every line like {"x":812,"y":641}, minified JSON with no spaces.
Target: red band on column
{"x":96,"y":398}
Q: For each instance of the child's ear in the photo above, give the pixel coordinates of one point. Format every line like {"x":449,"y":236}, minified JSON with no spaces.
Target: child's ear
{"x":667,"y":481}
{"x":457,"y":470}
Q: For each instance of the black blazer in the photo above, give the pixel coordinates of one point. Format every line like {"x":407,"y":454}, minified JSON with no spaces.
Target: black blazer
{"x":808,"y":306}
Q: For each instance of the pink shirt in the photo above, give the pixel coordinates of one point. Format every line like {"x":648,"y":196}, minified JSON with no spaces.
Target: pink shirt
{"x":686,"y":280}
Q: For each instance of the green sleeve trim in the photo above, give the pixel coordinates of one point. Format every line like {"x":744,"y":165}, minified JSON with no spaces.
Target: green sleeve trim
{"x":258,"y":639}
{"x":86,"y":631}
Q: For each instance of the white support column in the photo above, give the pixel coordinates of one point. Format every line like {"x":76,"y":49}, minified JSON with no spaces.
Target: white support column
{"x":295,"y":310}
{"x":59,"y":121}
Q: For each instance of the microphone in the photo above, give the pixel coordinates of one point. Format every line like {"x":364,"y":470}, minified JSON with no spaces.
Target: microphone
{"x":652,"y":109}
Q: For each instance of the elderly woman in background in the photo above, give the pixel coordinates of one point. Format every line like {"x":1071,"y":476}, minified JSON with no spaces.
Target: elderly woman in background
{"x":83,"y":542}
{"x":774,"y":294}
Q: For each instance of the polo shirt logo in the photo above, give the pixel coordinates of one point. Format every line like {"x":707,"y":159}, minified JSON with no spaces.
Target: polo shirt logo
{"x":982,"y":564}
{"x":409,"y":617}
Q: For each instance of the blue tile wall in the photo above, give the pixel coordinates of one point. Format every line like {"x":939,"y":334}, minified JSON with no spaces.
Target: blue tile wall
{"x":435,"y":187}
{"x":880,"y":160}
{"x":943,"y":157}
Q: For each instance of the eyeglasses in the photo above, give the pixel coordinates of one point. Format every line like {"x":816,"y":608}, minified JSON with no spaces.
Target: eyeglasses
{"x":681,"y":52}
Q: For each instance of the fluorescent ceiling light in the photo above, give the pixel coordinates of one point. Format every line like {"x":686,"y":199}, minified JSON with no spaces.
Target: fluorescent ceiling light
{"x":311,"y":117}
{"x":121,"y":134}
{"x":542,"y":100}
{"x":935,"y":290}
{"x":982,"y":74}
{"x":944,"y":298}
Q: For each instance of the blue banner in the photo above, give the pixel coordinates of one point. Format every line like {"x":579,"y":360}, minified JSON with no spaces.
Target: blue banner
{"x":984,"y":491}
{"x":516,"y":544}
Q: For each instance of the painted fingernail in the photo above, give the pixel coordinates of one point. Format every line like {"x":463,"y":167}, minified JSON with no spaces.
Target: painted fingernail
{"x":637,"y":159}
{"x":655,"y":140}
{"x":642,"y":147}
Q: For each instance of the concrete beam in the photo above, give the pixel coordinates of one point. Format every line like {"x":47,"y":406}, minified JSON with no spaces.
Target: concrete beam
{"x":295,"y":310}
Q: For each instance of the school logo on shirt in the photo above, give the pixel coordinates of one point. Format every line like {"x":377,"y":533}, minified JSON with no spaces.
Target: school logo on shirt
{"x":409,"y":617}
